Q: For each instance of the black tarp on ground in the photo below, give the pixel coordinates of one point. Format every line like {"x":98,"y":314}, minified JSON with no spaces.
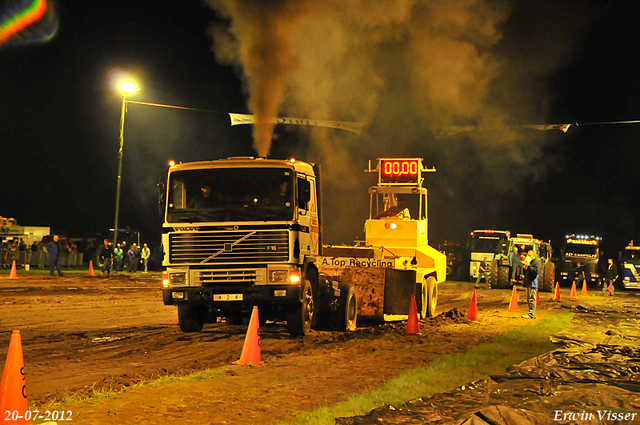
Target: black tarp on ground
{"x":592,"y":378}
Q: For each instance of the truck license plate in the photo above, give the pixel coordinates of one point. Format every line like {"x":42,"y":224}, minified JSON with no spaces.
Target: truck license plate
{"x":227,"y":297}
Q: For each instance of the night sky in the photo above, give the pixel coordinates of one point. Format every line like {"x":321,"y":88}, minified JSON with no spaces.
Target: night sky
{"x":553,"y":62}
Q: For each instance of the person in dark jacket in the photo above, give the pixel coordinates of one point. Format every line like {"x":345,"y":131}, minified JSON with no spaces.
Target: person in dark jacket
{"x":53,"y":248}
{"x":106,"y":256}
{"x":516,"y":265}
{"x":610,"y":277}
{"x":132,"y":258}
{"x":532,"y":269}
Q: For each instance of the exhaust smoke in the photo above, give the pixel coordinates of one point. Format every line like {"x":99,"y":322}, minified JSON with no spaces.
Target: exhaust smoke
{"x":406,"y":68}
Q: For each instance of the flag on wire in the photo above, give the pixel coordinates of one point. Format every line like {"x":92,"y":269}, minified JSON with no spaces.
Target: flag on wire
{"x":355,"y":127}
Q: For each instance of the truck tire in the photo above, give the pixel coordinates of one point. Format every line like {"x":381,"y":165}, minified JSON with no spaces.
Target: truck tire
{"x":422,"y":299}
{"x":300,"y":319}
{"x":503,"y":277}
{"x":548,"y":274}
{"x":432,"y":296}
{"x":191,"y":317}
{"x":347,"y":312}
{"x":493,"y":274}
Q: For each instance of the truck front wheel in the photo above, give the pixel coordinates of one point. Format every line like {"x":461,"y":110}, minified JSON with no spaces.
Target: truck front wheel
{"x":191,"y":317}
{"x":299,"y":320}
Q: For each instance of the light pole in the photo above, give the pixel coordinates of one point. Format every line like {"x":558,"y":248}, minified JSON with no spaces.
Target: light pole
{"x":126,"y":88}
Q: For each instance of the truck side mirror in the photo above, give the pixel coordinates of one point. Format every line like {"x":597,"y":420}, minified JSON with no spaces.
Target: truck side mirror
{"x":304,"y":193}
{"x":162,"y":191}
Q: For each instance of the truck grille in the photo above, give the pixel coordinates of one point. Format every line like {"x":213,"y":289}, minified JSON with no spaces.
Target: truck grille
{"x":226,"y":276}
{"x":229,"y":247}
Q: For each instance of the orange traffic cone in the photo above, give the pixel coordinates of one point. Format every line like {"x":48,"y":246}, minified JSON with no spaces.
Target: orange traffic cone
{"x":573,"y":293}
{"x":13,"y":274}
{"x":413,"y":327}
{"x":537,"y":297}
{"x":251,"y":349}
{"x":13,"y":389}
{"x":472,"y":314}
{"x":91,"y":273}
{"x":584,"y":288}
{"x":610,"y":289}
{"x":513,"y":304}
{"x":556,"y":296}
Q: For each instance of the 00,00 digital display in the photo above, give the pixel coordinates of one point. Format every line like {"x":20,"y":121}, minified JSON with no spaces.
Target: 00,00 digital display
{"x":400,"y":171}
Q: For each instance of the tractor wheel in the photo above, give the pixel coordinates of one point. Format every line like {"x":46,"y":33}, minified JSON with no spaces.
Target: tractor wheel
{"x":548,"y":275}
{"x":503,"y":277}
{"x":432,"y":296}
{"x":493,"y":274}
{"x":98,"y":263}
{"x":300,"y":319}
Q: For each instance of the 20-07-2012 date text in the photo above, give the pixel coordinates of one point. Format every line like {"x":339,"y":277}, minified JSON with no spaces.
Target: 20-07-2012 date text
{"x":47,"y":415}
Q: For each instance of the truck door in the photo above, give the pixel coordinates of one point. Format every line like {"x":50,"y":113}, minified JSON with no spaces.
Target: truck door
{"x":307,"y":215}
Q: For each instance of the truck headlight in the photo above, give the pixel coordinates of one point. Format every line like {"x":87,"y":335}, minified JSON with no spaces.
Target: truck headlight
{"x":278,"y":276}
{"x":177,"y":278}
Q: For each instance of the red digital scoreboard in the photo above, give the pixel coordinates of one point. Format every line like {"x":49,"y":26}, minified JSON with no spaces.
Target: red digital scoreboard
{"x":405,"y":171}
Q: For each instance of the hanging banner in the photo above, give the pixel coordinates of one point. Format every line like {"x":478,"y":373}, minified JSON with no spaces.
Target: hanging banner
{"x":561,"y":127}
{"x":442,"y":132}
{"x":355,"y":127}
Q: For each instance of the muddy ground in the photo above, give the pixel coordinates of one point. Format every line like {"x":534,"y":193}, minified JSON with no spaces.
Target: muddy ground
{"x":82,"y":334}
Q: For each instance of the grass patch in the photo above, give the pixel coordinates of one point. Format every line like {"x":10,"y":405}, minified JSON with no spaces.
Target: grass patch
{"x":448,"y":372}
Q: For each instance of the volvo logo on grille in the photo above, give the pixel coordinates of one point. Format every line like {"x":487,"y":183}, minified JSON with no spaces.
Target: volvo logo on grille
{"x":187,"y":229}
{"x":228,"y":247}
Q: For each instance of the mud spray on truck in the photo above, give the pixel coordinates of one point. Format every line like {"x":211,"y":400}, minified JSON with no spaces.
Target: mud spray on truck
{"x":243,"y":232}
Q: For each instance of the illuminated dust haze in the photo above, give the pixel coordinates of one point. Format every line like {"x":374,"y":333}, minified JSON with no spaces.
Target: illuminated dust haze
{"x":408,"y":70}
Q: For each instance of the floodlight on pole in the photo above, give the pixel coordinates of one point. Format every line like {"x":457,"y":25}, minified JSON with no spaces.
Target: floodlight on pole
{"x":126,"y":87}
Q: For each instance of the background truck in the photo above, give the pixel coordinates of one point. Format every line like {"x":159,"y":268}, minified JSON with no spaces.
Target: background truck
{"x":631,"y":266}
{"x":457,"y":260}
{"x":246,"y":232}
{"x":500,"y":269}
{"x":486,"y":244}
{"x":583,"y":250}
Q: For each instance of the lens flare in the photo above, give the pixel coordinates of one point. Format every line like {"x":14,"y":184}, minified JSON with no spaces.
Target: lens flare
{"x":27,"y":22}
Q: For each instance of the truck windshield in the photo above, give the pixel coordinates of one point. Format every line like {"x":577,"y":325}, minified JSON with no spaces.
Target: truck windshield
{"x":584,"y":251}
{"x":489,"y":244}
{"x":632,"y":255}
{"x":230,"y":194}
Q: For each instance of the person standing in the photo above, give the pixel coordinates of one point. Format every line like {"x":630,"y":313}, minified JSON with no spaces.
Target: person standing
{"x":145,"y":254}
{"x":53,"y":248}
{"x":482,"y":272}
{"x":118,"y":257}
{"x":532,"y":269}
{"x":580,"y":275}
{"x":106,"y":256}
{"x":132,"y":260}
{"x":125,"y":251}
{"x":516,"y":265}
{"x":610,"y":277}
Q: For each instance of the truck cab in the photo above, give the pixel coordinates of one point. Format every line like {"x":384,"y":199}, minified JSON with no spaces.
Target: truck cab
{"x":241,"y":232}
{"x":631,"y":264}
